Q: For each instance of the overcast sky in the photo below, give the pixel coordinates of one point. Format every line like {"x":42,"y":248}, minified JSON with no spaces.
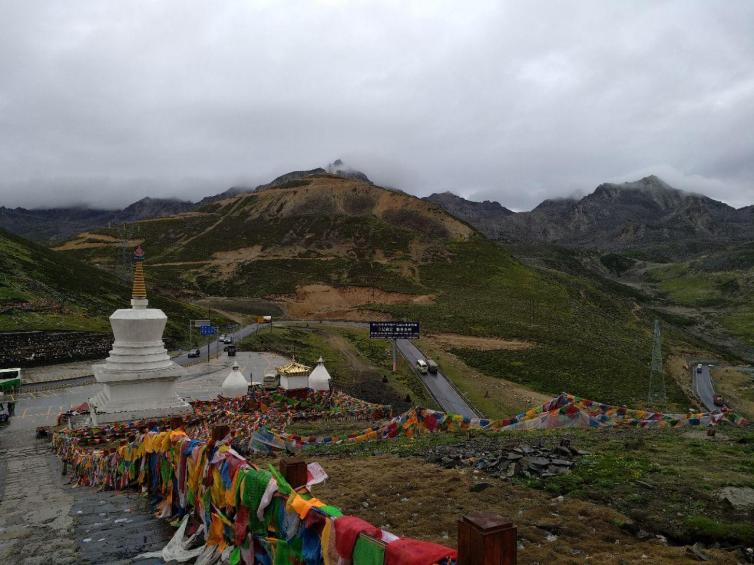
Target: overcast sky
{"x":106,"y":102}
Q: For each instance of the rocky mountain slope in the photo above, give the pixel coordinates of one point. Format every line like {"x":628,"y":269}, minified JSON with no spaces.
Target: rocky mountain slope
{"x":55,"y":224}
{"x":326,"y":228}
{"x":647,"y":214}
{"x":484,"y":216}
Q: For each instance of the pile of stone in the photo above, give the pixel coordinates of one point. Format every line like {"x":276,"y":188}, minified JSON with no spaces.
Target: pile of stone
{"x":502,"y":461}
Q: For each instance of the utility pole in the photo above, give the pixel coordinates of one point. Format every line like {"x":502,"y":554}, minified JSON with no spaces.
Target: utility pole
{"x":395,"y":357}
{"x":657,"y":395}
{"x":209,"y":337}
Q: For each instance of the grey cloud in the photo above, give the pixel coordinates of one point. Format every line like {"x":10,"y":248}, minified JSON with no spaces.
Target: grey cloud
{"x":106,"y":102}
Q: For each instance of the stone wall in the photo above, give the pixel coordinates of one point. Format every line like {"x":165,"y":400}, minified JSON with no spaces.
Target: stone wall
{"x":28,"y":349}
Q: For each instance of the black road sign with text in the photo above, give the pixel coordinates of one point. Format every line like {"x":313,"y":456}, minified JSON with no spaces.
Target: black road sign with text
{"x":394,"y":330}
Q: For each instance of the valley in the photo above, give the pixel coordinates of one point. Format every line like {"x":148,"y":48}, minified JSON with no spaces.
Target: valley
{"x":511,"y":325}
{"x":320,"y":246}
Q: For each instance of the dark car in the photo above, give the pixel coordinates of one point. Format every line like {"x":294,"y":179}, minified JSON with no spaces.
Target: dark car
{"x":194,"y":353}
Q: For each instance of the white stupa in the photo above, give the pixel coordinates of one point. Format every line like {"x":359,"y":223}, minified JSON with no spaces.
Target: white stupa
{"x":235,"y":383}
{"x":319,"y":379}
{"x":138,"y":377}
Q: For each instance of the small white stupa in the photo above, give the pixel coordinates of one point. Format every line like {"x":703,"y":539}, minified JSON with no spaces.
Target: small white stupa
{"x":235,"y":383}
{"x":319,"y":379}
{"x":138,"y":377}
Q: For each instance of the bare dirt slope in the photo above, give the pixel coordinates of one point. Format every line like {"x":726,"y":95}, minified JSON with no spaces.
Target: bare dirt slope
{"x":320,"y":301}
{"x":480,"y":343}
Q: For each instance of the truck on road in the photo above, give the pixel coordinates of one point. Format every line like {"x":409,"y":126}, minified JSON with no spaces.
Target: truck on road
{"x":421,"y":366}
{"x":432,"y":367}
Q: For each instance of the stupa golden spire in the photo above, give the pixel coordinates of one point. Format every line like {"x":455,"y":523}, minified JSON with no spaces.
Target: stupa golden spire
{"x":139,"y":290}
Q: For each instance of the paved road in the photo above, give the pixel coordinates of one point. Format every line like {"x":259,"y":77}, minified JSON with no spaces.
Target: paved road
{"x":703,"y":387}
{"x":446,"y":395}
{"x":215,"y":347}
{"x":439,"y":386}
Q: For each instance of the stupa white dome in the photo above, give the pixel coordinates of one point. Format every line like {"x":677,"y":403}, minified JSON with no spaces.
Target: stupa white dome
{"x":235,"y":383}
{"x":319,"y":379}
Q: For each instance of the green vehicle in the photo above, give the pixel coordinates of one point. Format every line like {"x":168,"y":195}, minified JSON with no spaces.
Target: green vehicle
{"x":10,"y":380}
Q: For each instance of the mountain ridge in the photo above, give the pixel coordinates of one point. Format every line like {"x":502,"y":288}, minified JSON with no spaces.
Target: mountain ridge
{"x":52,"y":225}
{"x":43,"y":225}
{"x":633,"y":215}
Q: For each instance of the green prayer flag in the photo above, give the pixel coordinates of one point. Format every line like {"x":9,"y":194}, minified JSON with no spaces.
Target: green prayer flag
{"x":368,"y":552}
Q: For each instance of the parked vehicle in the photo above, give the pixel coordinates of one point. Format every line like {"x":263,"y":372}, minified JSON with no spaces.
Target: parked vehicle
{"x":432,"y":367}
{"x":421,"y":366}
{"x":10,"y":379}
{"x":7,"y":407}
{"x":194,"y":353}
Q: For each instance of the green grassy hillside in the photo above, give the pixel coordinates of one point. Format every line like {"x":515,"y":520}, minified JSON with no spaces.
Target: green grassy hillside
{"x":718,"y":284}
{"x":44,"y":290}
{"x":587,"y":341}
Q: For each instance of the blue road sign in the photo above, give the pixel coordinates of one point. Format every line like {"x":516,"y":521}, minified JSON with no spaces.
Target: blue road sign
{"x":207,"y":330}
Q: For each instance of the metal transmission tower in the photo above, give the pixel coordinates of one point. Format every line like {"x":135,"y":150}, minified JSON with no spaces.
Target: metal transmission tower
{"x":657,"y":394}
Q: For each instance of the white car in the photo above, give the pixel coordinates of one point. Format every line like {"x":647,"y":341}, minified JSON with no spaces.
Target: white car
{"x":421,"y":366}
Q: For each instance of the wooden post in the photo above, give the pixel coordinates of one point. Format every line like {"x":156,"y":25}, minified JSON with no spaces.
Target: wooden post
{"x":485,"y":538}
{"x":294,"y":470}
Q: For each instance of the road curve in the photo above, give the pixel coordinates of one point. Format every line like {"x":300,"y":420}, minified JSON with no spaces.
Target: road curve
{"x":446,"y":395}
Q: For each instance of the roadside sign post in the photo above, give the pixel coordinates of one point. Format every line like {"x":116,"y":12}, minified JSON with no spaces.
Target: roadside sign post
{"x":195,"y":324}
{"x":394,"y":331}
{"x":208,"y":331}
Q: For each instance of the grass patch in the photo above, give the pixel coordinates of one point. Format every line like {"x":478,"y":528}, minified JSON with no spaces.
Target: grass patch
{"x":663,"y":481}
